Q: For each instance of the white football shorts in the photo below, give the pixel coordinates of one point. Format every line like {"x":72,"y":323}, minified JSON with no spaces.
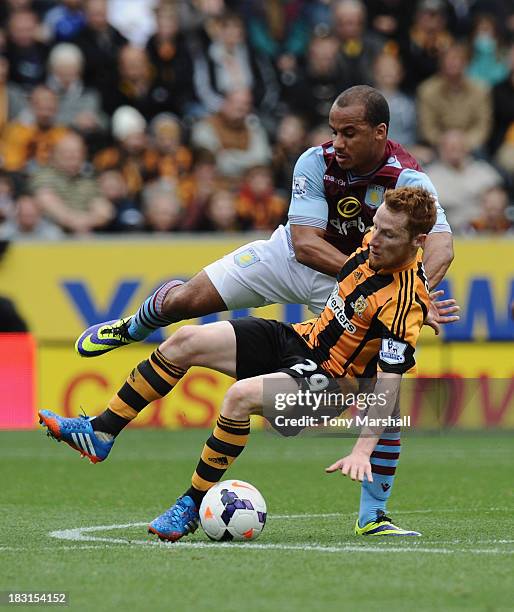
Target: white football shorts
{"x":266,"y":272}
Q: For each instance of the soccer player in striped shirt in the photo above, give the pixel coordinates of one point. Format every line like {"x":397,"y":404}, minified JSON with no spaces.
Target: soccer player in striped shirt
{"x":368,"y":329}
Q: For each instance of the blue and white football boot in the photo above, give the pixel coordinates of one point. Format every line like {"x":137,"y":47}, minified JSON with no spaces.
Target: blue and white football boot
{"x":178,"y":521}
{"x":77,"y":433}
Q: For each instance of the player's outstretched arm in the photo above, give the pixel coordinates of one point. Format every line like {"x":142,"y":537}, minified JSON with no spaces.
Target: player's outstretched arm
{"x":437,"y":256}
{"x":312,"y":250}
{"x":357,"y":464}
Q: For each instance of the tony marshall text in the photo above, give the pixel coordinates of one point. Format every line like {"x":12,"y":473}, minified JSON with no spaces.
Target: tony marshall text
{"x":348,"y":422}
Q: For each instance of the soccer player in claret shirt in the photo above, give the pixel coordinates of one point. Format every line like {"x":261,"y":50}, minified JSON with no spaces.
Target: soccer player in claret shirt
{"x":368,"y":328}
{"x":337,"y":188}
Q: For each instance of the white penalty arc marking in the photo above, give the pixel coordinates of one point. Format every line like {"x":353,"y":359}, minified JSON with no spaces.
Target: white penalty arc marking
{"x":86,"y":535}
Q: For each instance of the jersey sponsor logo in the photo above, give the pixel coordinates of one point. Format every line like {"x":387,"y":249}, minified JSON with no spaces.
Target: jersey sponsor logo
{"x":336,"y":305}
{"x":333,"y":179}
{"x":246,"y":258}
{"x":392,"y":351}
{"x":343,"y":227}
{"x":349,"y":207}
{"x":299,"y":186}
{"x":360,"y":305}
{"x":374,"y":195}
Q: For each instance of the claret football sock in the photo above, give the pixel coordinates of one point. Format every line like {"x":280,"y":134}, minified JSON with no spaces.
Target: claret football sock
{"x":226,"y":443}
{"x":384,"y":459}
{"x":150,"y":380}
{"x":150,"y":317}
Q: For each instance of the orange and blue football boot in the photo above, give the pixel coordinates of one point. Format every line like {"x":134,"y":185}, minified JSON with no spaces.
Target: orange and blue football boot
{"x":77,"y":433}
{"x":178,"y":521}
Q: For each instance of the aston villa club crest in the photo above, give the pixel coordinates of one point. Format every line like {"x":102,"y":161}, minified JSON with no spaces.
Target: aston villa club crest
{"x":374,"y":195}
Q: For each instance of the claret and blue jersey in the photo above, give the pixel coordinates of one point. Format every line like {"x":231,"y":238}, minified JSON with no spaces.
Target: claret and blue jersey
{"x":344,"y":204}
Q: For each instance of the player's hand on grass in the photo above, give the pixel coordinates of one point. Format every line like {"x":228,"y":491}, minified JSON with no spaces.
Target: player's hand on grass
{"x":441,"y":312}
{"x":356,"y":465}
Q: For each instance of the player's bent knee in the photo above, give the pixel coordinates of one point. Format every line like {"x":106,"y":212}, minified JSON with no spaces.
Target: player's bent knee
{"x":241,"y":399}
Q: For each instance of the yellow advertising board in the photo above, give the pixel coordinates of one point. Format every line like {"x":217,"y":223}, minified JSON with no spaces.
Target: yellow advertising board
{"x":62,"y":288}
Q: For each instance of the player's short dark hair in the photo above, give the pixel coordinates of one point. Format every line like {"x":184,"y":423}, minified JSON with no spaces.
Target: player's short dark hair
{"x":419,"y":205}
{"x":375,"y":105}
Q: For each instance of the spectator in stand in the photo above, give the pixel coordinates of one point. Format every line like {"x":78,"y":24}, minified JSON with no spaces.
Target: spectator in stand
{"x":258,"y":206}
{"x":162,"y":208}
{"x":171,"y":156}
{"x":319,"y":134}
{"x":388,"y":75}
{"x":6,"y":196}
{"x":79,"y":106}
{"x":492,"y":218}
{"x":66,"y":195}
{"x":357,"y":47}
{"x":450,"y":100}
{"x":32,"y":140}
{"x":100,"y":43}
{"x":196,"y":188}
{"x":505,"y":155}
{"x":28,"y":222}
{"x":26,"y":54}
{"x":113,"y":188}
{"x":278,"y":29}
{"x":311,"y":88}
{"x":199,"y":19}
{"x":220,"y":213}
{"x":291,"y":143}
{"x":503,"y":106}
{"x":171,"y":59}
{"x":131,"y":154}
{"x":234,"y":135}
{"x":390,"y":19}
{"x":137,"y":87}
{"x":65,"y":21}
{"x":488,"y":63}
{"x":460,"y":180}
{"x":12,"y":97}
{"x":230,"y":65}
{"x":197,"y":14}
{"x":425,"y":42}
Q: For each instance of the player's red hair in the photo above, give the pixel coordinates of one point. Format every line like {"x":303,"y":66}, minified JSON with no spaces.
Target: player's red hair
{"x":419,"y":205}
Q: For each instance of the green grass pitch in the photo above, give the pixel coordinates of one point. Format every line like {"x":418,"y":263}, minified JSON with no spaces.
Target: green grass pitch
{"x":456,"y":489}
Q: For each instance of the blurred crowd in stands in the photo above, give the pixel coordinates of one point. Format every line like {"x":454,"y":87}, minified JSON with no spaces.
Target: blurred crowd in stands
{"x":164,"y":116}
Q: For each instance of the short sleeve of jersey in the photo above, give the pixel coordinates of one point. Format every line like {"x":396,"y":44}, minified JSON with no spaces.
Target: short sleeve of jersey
{"x":414,"y":178}
{"x":402,"y":324}
{"x":308,"y":204}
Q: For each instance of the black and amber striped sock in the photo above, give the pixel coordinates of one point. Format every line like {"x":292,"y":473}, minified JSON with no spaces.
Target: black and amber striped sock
{"x":223,"y":447}
{"x":150,"y":380}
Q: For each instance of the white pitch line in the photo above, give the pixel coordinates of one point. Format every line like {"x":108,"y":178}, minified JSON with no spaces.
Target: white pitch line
{"x":395,"y":512}
{"x":79,"y":534}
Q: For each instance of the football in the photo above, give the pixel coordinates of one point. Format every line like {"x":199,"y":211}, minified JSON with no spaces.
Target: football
{"x":233,"y":510}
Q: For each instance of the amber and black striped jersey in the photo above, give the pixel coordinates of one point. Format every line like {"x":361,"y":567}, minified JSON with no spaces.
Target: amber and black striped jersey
{"x":371,"y":320}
